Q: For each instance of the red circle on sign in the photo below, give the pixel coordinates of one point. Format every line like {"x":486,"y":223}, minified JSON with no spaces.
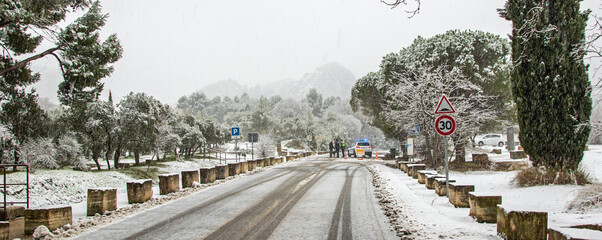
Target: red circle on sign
{"x":445,"y":125}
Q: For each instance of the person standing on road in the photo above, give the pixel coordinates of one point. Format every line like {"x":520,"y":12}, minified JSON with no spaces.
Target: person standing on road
{"x":343,"y":148}
{"x":336,"y":147}
{"x":331,"y":147}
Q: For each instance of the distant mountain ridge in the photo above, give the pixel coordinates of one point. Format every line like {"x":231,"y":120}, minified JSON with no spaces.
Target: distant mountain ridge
{"x":331,"y":79}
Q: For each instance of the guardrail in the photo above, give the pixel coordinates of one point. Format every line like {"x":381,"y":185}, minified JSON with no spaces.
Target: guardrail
{"x":223,"y":155}
{"x":5,"y":184}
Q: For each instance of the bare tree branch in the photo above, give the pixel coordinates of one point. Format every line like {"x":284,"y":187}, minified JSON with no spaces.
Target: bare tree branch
{"x":404,"y":2}
{"x":24,"y":62}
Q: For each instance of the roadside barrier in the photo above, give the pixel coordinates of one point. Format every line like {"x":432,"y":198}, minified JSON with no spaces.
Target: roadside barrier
{"x":51,"y":217}
{"x":169,"y":183}
{"x":101,"y":200}
{"x":139,"y":191}
{"x":521,"y":224}
{"x":483,"y":206}
{"x":189,"y":177}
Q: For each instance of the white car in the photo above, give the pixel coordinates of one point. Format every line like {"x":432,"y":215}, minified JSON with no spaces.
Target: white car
{"x":490,"y":140}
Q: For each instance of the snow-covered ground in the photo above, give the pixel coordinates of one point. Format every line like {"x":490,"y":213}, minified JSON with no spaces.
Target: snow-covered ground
{"x":428,"y":216}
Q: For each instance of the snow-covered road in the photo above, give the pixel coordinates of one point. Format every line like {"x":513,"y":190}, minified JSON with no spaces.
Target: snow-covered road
{"x":314,"y":198}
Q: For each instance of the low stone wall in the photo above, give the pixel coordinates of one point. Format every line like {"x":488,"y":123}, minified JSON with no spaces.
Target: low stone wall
{"x":430,"y":180}
{"x":101,"y":200}
{"x":51,"y":217}
{"x":259,"y":162}
{"x":251,"y":164}
{"x":440,"y":187}
{"x":208,"y":174}
{"x":244,"y":166}
{"x":458,"y":194}
{"x":422,"y":174}
{"x":483,"y":206}
{"x":233,"y":169}
{"x":403,"y":166}
{"x":222,"y":172}
{"x":480,"y":158}
{"x":13,"y":222}
{"x":519,"y":154}
{"x":414,"y":168}
{"x":169,"y":183}
{"x":140,"y":191}
{"x":521,"y":224}
{"x":189,"y":177}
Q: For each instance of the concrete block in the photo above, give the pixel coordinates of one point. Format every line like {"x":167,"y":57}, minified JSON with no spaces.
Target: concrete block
{"x":12,"y":212}
{"x":497,"y":151}
{"x":17,"y":228}
{"x":458,"y":194}
{"x":403,"y":166}
{"x":440,"y":187}
{"x":480,"y":158}
{"x":52,"y":217}
{"x":519,"y":154}
{"x":222,"y":172}
{"x":244,"y":167}
{"x":558,"y":233}
{"x":140,"y":191}
{"x":422,"y":174}
{"x":251,"y":164}
{"x":233,"y":169}
{"x":521,"y":224}
{"x":189,"y":177}
{"x":259,"y":163}
{"x":169,"y":183}
{"x":4,"y":230}
{"x":430,"y":180}
{"x":483,"y":206}
{"x":208,"y":174}
{"x":414,"y":168}
{"x":101,"y":200}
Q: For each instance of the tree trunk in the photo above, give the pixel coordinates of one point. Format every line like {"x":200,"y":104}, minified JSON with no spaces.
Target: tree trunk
{"x":460,"y":147}
{"x":137,"y":157}
{"x":117,"y":155}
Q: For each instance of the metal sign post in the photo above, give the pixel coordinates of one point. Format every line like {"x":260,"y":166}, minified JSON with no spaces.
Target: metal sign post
{"x":445,"y":125}
{"x":446,"y":168}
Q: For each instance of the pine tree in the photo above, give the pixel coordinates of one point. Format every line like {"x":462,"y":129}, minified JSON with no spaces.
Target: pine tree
{"x":549,"y":80}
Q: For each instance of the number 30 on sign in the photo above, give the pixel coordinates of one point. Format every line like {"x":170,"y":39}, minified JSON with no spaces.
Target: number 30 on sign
{"x":445,"y":125}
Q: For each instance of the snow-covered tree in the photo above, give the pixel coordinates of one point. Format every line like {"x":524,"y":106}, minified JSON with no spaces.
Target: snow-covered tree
{"x":139,"y":116}
{"x":549,"y":80}
{"x":100,"y":127}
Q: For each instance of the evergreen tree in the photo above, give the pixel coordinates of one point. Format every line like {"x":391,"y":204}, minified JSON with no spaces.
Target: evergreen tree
{"x":549,"y":80}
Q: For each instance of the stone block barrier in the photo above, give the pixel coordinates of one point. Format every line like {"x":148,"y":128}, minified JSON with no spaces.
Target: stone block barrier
{"x":101,"y":200}
{"x":422,"y":175}
{"x":244,"y":166}
{"x":233,"y":169}
{"x":403,"y":166}
{"x":259,"y":163}
{"x":252,"y":164}
{"x":430,"y":180}
{"x":222,"y":171}
{"x":483,"y":206}
{"x":440,"y":187}
{"x":189,"y":177}
{"x":279,"y":160}
{"x":558,"y":233}
{"x":13,"y":222}
{"x":520,"y":224}
{"x":207,"y":174}
{"x":497,"y":151}
{"x":52,"y":217}
{"x":458,"y":194}
{"x":139,"y":191}
{"x":519,"y":154}
{"x":169,"y":183}
{"x":414,"y":168}
{"x":480,"y":158}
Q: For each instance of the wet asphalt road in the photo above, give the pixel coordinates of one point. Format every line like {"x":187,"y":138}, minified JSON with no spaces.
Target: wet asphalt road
{"x":315,"y":198}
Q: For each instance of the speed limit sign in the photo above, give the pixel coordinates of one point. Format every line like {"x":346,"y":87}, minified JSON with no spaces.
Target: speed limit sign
{"x":445,"y":125}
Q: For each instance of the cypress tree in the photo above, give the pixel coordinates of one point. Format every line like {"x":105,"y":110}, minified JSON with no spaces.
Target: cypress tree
{"x":550,"y":84}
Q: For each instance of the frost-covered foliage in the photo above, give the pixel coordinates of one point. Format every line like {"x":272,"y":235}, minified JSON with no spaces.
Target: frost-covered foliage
{"x":40,"y":153}
{"x":265,"y":147}
{"x":470,"y":67}
{"x":550,"y":84}
{"x":50,"y":154}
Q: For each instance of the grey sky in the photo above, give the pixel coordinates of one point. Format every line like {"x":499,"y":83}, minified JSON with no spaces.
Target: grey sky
{"x":173,"y":48}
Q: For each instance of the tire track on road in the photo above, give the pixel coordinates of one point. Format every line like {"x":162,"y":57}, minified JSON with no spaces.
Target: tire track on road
{"x":260,"y":221}
{"x":205,"y":204}
{"x":343,"y":210}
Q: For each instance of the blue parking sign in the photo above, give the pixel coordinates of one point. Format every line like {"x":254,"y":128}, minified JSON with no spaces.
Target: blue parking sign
{"x":235,"y":131}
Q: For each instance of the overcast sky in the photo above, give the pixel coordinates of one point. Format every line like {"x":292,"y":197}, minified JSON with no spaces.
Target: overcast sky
{"x":173,"y":48}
